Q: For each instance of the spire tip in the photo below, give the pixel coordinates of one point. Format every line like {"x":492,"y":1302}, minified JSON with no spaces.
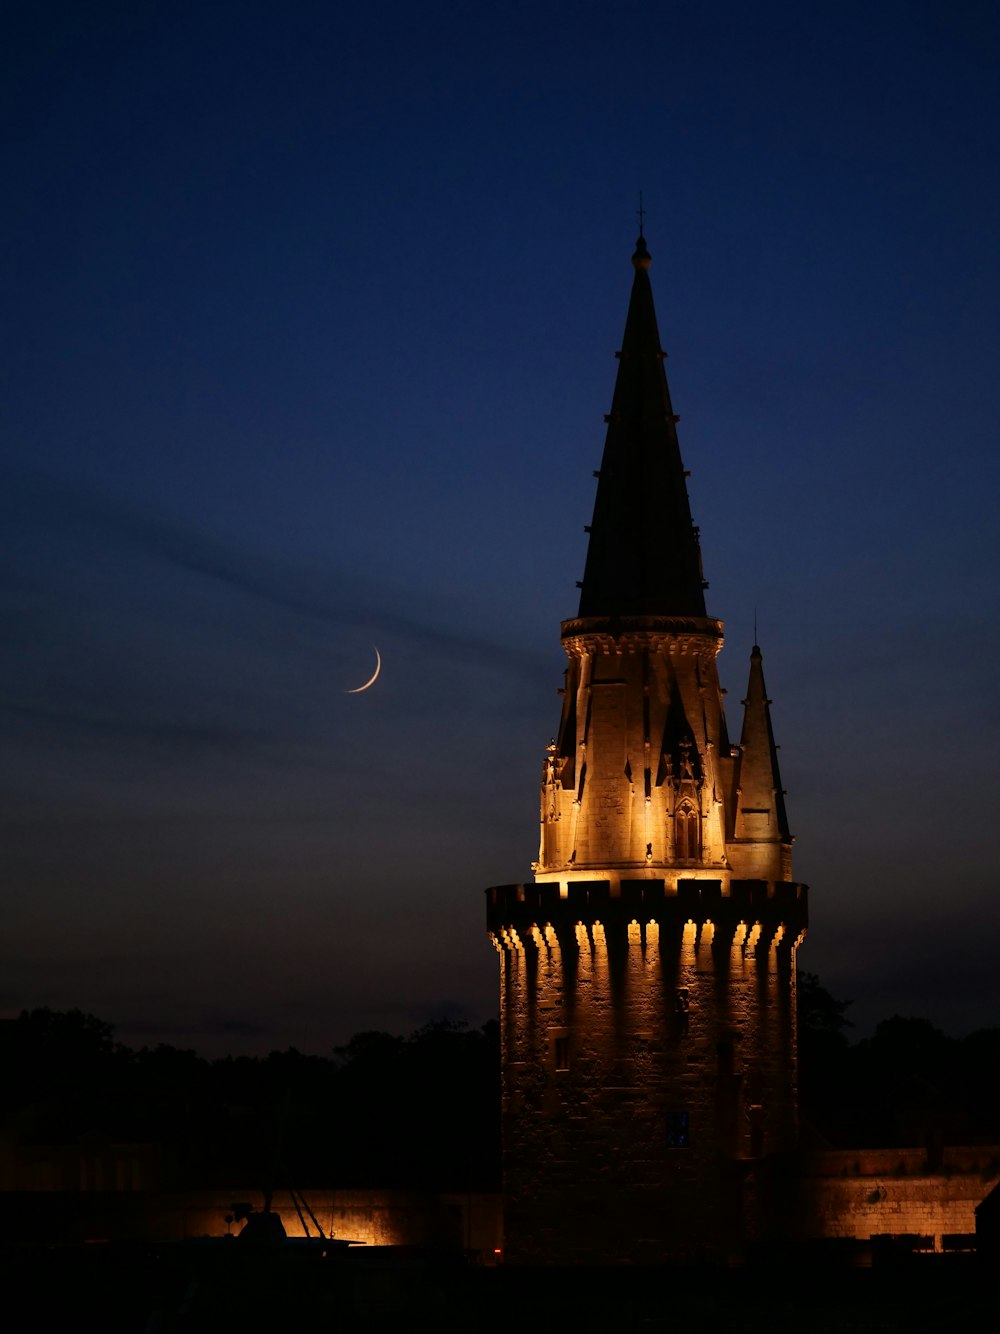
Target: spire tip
{"x":641,"y":258}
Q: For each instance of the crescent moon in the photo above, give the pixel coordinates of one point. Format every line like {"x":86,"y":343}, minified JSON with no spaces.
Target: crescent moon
{"x":372,"y":679}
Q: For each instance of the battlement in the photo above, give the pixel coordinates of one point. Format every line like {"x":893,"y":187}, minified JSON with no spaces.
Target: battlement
{"x":726,"y":904}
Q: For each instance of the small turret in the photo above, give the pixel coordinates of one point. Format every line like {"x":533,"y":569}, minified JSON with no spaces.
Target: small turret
{"x":761,"y":844}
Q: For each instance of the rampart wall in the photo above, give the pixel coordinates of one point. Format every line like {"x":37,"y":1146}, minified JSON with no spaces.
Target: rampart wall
{"x":858,"y":1194}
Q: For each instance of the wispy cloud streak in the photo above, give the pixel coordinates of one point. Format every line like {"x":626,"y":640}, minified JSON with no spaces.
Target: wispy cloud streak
{"x":78,"y":510}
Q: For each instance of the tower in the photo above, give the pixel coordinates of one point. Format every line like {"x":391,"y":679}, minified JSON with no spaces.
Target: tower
{"x":648,"y":972}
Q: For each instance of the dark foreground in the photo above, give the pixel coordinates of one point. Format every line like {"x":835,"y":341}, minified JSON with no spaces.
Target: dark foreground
{"x":219,"y":1286}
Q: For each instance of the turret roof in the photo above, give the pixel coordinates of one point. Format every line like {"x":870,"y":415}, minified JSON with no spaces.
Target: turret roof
{"x":759,"y":781}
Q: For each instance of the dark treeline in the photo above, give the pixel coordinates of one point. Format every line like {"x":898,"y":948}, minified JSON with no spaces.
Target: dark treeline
{"x":422,"y":1112}
{"x":907,"y":1086}
{"x":415,"y":1112}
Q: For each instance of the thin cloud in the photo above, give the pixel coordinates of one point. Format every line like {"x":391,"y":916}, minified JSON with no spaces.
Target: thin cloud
{"x":76,"y":509}
{"x":61,"y":724}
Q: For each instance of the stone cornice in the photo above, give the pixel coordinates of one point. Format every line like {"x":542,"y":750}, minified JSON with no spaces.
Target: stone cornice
{"x":700,"y":636}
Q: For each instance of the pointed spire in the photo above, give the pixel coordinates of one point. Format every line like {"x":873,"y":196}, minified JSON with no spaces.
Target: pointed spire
{"x":761,"y":811}
{"x":643,"y":558}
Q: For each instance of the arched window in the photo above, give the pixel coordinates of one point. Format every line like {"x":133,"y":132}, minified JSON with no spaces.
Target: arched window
{"x":687,"y":833}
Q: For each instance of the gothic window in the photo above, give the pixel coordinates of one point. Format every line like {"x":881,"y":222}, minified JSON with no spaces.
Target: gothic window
{"x":687,"y":833}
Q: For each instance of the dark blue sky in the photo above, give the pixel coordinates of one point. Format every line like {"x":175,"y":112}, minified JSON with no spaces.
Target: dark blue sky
{"x":310,"y":314}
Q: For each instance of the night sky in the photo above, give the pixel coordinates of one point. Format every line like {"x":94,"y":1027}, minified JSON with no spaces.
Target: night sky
{"x":310,"y":313}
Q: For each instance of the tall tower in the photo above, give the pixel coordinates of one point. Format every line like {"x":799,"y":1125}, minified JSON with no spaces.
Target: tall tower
{"x":648,"y":973}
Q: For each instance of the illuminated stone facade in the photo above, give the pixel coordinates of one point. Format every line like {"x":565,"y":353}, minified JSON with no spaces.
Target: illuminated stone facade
{"x":648,"y":974}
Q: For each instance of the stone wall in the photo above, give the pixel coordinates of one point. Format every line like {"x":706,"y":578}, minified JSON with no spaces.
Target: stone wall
{"x":865,"y":1193}
{"x":648,"y":1071}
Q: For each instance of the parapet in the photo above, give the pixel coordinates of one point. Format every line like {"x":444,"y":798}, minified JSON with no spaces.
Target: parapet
{"x":769,"y":903}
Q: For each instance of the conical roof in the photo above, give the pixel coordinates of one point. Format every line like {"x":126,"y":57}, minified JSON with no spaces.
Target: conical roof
{"x":643,"y":558}
{"x":758,"y":779}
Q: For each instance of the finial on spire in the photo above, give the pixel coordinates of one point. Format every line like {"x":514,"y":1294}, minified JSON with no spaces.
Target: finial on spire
{"x":641,"y":259}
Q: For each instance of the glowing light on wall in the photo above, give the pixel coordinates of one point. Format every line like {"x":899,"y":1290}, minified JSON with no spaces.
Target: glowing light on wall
{"x":689,"y":940}
{"x":737,"y":949}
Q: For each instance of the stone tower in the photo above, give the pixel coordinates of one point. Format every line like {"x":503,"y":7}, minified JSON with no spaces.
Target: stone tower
{"x":648,"y":973}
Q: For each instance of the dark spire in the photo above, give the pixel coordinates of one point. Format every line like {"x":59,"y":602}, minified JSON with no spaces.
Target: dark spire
{"x":643,"y":558}
{"x":758,"y":779}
